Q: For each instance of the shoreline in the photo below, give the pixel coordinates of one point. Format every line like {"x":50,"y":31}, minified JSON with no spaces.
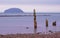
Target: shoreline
{"x":36,"y":35}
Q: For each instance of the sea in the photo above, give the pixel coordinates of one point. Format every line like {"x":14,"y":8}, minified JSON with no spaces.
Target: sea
{"x":24,"y":23}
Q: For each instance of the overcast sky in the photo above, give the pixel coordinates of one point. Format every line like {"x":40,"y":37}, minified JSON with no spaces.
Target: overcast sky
{"x":29,"y":1}
{"x":28,"y":5}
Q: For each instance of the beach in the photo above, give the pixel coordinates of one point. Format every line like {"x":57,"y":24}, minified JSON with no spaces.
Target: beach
{"x":36,"y":35}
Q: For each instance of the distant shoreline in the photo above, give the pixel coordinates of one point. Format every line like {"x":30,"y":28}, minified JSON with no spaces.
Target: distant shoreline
{"x":20,"y":15}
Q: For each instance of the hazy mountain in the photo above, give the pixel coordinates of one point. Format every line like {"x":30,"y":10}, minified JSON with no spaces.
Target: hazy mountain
{"x":13,"y":10}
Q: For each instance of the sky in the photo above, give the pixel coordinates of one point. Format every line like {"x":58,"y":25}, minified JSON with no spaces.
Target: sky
{"x":29,"y":5}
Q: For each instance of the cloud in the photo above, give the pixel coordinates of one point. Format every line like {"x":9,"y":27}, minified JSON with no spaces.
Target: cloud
{"x":29,"y":5}
{"x":29,"y":8}
{"x":29,"y":1}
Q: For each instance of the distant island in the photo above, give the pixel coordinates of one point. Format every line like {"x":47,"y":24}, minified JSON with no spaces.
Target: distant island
{"x":13,"y":10}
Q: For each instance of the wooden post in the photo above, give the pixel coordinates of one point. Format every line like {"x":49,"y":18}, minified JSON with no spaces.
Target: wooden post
{"x":35,"y":22}
{"x":54,"y":23}
{"x":46,"y":23}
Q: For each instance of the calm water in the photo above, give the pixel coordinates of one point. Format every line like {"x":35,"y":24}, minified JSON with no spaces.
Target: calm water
{"x":9,"y":25}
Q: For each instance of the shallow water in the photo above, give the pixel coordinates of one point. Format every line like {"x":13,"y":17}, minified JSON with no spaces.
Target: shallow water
{"x":25,"y":24}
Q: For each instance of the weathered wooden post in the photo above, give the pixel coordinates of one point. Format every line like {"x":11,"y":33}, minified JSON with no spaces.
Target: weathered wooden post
{"x":35,"y":22}
{"x":54,"y":23}
{"x":46,"y":23}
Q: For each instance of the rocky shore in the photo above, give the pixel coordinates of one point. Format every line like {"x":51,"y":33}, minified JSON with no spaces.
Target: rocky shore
{"x":51,"y":35}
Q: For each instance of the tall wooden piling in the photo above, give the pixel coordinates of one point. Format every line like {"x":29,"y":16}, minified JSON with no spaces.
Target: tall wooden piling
{"x":46,"y":23}
{"x":35,"y":22}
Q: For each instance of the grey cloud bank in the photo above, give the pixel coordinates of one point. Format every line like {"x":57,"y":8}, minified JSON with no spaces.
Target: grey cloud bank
{"x":29,"y":1}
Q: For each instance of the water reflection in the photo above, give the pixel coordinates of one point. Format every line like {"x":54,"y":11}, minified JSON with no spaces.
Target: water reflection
{"x":35,"y":31}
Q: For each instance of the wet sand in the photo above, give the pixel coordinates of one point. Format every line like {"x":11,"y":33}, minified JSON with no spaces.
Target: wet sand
{"x":37,"y":35}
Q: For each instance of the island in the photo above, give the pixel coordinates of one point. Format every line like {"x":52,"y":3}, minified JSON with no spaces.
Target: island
{"x":13,"y":10}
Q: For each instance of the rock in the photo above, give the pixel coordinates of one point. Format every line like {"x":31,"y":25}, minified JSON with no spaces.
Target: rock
{"x":50,"y":31}
{"x":27,"y":27}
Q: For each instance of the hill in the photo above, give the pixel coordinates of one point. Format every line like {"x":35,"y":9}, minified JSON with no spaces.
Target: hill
{"x":13,"y":10}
